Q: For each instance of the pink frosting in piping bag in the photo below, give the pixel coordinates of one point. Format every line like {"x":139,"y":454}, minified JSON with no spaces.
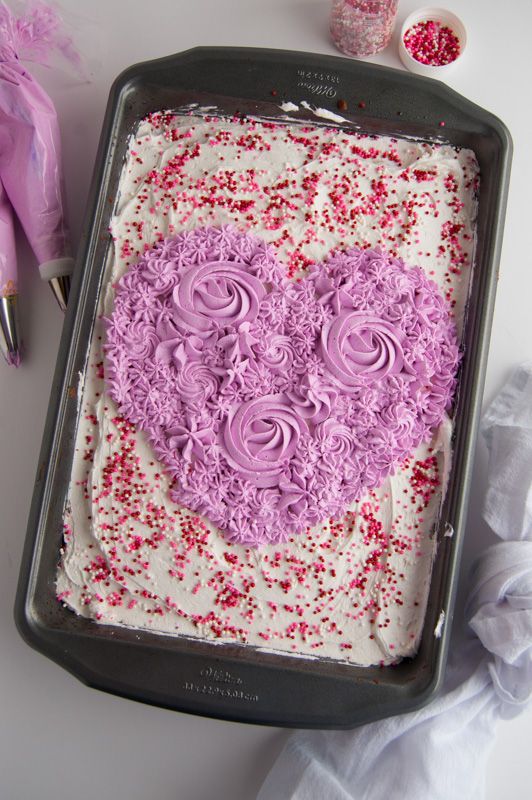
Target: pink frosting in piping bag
{"x":30,"y":161}
{"x":8,"y":299}
{"x":7,"y":247}
{"x":30,"y":151}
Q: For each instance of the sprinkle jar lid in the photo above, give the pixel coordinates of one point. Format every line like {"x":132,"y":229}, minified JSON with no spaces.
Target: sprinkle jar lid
{"x":432,"y":41}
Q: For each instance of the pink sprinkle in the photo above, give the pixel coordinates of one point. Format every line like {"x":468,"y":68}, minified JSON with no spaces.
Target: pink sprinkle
{"x":432,"y":43}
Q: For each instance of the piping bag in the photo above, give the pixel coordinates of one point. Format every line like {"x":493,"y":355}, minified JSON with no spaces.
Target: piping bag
{"x":31,"y":179}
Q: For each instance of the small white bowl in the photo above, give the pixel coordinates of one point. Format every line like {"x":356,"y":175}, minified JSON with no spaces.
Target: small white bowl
{"x":435,"y":15}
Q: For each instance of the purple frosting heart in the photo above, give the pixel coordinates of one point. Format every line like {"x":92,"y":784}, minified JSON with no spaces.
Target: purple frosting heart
{"x":275,"y":404}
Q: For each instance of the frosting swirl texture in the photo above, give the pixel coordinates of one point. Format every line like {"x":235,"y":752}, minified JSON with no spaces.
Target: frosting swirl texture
{"x":356,"y":346}
{"x":217,"y":294}
{"x":261,"y":437}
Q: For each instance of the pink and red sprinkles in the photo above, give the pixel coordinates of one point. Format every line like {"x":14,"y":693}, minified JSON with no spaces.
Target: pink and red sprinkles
{"x":432,"y":43}
{"x":140,"y":530}
{"x":249,"y":198}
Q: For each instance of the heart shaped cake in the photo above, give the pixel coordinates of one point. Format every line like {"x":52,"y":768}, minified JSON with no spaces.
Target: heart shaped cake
{"x":274,"y":404}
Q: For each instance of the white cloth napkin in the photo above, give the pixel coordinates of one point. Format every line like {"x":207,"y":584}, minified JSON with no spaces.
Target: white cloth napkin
{"x":440,"y":752}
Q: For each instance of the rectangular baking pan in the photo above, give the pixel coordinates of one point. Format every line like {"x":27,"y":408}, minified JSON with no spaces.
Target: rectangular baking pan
{"x":230,"y":681}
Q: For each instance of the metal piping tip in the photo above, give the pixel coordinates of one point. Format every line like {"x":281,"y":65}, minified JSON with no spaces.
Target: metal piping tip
{"x":60,"y":286}
{"x":9,"y":327}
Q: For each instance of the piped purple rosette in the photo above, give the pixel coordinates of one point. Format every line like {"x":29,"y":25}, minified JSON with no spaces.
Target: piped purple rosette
{"x":272,"y":404}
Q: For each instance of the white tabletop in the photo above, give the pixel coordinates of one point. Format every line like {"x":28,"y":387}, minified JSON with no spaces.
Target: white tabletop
{"x":59,"y":739}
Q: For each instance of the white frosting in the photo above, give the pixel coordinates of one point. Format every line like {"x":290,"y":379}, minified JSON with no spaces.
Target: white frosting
{"x":289,"y":106}
{"x":355,"y":590}
{"x":438,"y":630}
{"x":323,"y":113}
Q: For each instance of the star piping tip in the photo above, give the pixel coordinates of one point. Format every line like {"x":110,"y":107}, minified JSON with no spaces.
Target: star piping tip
{"x":60,"y":287}
{"x":9,"y":330}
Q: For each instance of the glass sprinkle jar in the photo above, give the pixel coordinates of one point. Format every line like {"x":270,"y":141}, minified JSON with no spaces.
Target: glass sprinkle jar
{"x":362,"y":27}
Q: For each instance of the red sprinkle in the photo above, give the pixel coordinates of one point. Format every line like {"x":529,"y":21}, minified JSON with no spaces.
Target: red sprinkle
{"x":432,"y":43}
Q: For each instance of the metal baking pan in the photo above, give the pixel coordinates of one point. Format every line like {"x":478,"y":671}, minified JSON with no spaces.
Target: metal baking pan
{"x":229,"y":681}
